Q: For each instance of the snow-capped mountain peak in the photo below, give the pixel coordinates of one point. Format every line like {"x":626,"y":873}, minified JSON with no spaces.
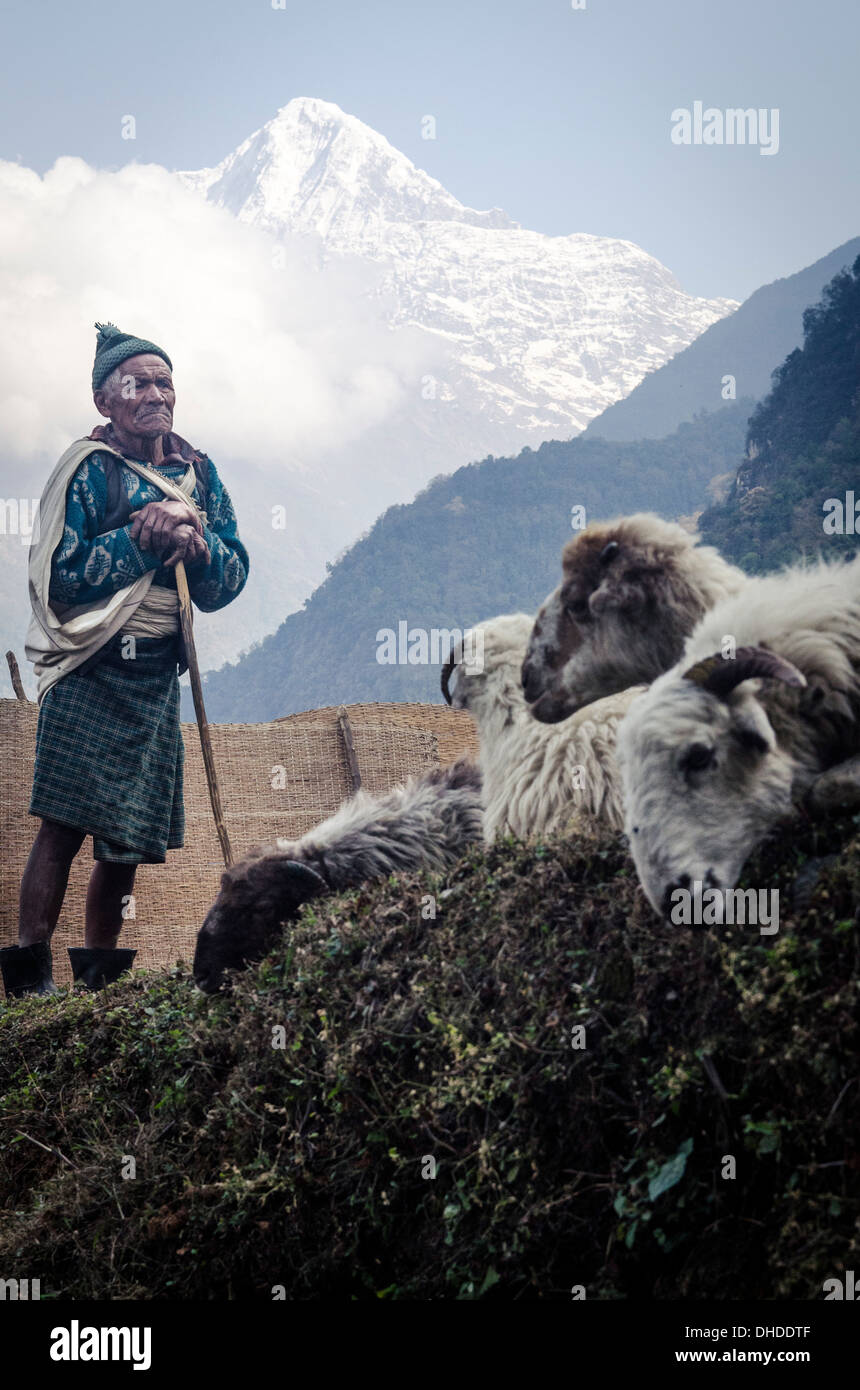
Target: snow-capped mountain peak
{"x":540,"y":333}
{"x":316,"y":169}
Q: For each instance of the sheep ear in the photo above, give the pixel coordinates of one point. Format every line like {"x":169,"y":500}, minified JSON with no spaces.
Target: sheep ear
{"x":721,"y":675}
{"x":447,"y":672}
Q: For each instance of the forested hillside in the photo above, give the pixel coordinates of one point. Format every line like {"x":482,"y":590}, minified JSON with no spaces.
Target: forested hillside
{"x":483,"y":541}
{"x":803,"y":446}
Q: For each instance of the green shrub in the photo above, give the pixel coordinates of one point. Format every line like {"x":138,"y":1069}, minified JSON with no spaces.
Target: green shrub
{"x":405,"y":1040}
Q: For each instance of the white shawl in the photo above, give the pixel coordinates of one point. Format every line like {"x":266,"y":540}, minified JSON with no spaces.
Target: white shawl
{"x":56,"y":645}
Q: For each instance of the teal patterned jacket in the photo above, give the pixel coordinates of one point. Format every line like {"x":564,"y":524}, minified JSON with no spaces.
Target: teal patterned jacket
{"x":90,"y":563}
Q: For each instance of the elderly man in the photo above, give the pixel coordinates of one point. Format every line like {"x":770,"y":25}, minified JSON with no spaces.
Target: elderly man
{"x":120,"y":510}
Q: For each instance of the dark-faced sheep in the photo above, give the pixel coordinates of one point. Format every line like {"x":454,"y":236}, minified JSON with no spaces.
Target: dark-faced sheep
{"x":426,"y":824}
{"x":632,"y":591}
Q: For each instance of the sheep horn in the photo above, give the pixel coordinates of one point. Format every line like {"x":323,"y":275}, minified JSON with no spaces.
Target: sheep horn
{"x":447,"y":672}
{"x":305,"y":879}
{"x":720,"y":675}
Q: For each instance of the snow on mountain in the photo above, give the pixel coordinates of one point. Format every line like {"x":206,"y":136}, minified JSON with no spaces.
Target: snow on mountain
{"x":313,"y":168}
{"x":540,"y":333}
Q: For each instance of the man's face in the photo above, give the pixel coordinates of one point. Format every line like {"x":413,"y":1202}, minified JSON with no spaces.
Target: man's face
{"x":141,"y":402}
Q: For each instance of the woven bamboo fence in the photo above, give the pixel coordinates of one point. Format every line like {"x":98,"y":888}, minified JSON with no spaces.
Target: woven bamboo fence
{"x":280,"y":778}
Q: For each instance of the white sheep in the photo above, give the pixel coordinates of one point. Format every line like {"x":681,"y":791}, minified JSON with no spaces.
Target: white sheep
{"x":632,"y":591}
{"x":536,"y":778}
{"x":711,"y":760}
{"x":532,"y":779}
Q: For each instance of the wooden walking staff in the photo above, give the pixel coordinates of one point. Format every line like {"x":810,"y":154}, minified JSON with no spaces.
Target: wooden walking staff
{"x":15,"y":674}
{"x":186,"y":623}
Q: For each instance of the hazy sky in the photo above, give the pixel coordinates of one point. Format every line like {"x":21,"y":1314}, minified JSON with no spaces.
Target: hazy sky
{"x":561,"y":116}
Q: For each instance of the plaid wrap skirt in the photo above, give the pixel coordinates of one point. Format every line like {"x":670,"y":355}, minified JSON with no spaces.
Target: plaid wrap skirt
{"x":109,"y":752}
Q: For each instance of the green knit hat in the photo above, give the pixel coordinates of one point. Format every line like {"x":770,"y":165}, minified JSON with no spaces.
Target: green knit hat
{"x":114,"y":346}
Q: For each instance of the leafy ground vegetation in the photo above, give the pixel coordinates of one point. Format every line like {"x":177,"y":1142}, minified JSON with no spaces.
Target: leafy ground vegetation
{"x":286,"y":1133}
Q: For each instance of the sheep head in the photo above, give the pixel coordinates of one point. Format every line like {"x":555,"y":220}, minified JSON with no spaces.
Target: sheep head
{"x":258,"y":895}
{"x":485,"y":667}
{"x":631,"y":592}
{"x":703,"y":774}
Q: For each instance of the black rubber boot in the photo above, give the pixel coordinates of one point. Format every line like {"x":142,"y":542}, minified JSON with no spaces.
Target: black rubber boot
{"x":27,"y":970}
{"x":96,"y":966}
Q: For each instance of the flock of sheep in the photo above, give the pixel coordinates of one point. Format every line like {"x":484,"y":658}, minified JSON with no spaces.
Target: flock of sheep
{"x":659,"y":690}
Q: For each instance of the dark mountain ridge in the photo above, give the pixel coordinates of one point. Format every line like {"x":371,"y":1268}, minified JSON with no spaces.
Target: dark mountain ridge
{"x":746,"y":345}
{"x":485,"y":540}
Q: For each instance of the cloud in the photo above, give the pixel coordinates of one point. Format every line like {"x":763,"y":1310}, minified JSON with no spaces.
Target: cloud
{"x":280,"y":355}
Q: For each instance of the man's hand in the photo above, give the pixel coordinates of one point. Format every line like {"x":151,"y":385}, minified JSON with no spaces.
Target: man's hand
{"x":189,"y":547}
{"x":154,"y":525}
